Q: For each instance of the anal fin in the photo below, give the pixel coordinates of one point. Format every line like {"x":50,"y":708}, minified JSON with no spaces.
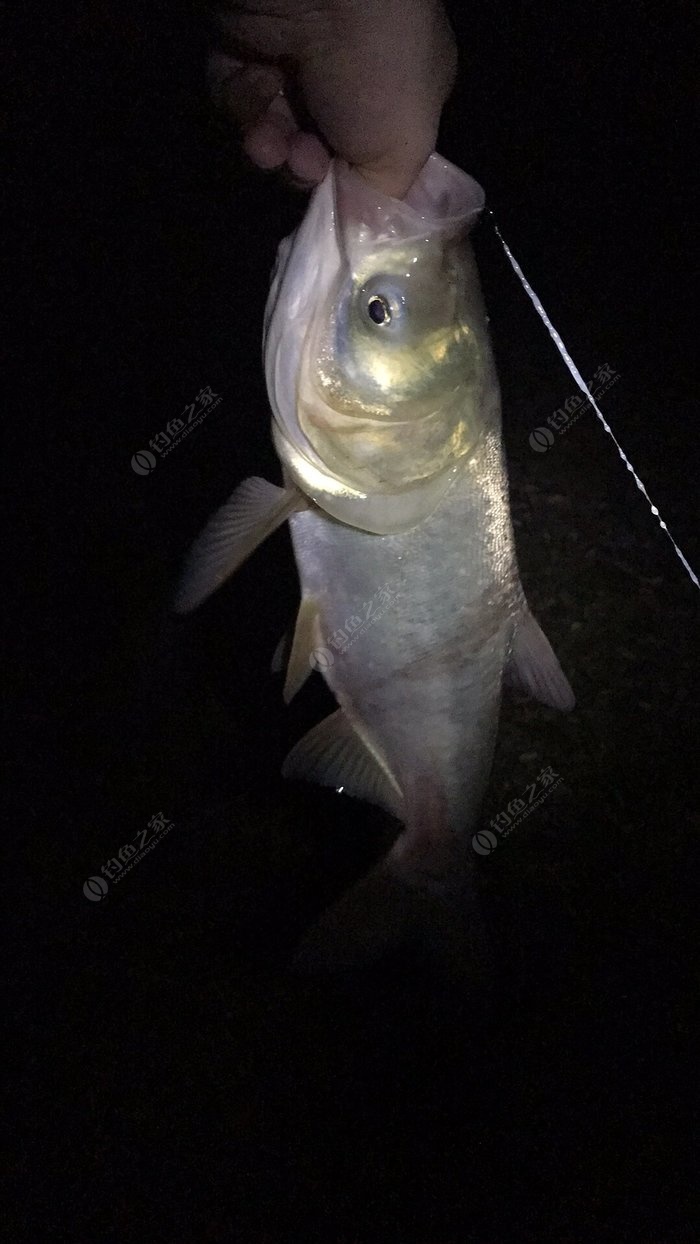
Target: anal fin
{"x":333,"y":754}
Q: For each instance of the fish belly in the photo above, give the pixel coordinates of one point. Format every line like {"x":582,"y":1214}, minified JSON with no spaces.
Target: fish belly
{"x":415,"y":630}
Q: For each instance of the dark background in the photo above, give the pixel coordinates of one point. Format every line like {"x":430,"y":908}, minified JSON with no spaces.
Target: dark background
{"x":174,"y":1081}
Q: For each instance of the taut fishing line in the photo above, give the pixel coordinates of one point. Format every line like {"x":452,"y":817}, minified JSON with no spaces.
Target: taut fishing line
{"x":585,"y":390}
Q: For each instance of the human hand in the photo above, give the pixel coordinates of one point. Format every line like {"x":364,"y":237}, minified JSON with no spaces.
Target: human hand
{"x":371,"y":76}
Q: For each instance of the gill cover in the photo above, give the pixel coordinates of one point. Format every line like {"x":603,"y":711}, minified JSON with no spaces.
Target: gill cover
{"x":377,"y":357}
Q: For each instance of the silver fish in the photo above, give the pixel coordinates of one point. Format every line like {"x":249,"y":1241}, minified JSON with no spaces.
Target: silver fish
{"x":386,"y":419}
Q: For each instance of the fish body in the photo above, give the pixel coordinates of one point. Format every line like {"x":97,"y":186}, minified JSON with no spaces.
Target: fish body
{"x":421,"y":682}
{"x":386,"y":419}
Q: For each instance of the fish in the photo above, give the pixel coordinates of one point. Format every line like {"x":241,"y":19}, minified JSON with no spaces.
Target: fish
{"x":386,"y":419}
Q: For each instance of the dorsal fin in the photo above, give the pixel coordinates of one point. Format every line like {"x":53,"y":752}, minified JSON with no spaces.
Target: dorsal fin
{"x":534,"y":668}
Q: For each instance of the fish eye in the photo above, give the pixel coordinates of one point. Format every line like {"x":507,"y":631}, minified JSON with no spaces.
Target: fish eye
{"x":378,"y":309}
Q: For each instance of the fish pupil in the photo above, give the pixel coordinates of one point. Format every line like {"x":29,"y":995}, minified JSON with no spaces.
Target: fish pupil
{"x":379,"y":310}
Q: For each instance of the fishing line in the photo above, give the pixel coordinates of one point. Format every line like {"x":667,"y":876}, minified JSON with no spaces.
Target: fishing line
{"x":585,"y":390}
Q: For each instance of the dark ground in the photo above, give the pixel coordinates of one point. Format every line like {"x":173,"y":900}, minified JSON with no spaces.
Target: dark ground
{"x":174,"y":1082}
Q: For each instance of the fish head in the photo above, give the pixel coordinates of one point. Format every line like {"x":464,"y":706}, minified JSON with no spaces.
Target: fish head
{"x":378,"y":360}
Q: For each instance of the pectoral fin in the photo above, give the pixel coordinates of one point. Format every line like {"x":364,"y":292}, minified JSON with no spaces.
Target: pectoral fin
{"x":534,"y":668}
{"x":333,"y":754}
{"x":249,"y":516}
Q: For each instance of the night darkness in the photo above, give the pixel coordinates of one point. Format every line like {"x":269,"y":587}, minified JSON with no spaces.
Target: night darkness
{"x":174,"y":1081}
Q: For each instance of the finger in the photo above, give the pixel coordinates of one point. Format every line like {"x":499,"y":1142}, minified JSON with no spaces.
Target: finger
{"x":264,"y":31}
{"x":250,"y":95}
{"x":307,"y":159}
{"x":265,"y":145}
{"x":268,"y":142}
{"x":243,"y":91}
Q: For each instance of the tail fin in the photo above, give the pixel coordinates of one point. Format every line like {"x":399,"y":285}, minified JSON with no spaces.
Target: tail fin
{"x":420,"y":897}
